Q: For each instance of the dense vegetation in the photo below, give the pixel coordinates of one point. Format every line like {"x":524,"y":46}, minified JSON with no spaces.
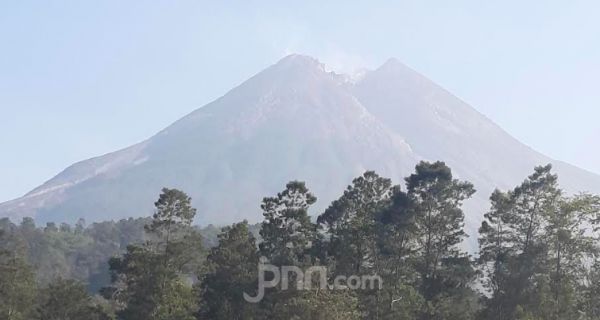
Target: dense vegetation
{"x":538,"y":257}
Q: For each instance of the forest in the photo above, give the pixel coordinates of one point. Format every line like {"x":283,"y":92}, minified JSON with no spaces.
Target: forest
{"x":537,"y":257}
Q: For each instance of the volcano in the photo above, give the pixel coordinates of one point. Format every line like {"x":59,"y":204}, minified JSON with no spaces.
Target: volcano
{"x":296,"y":121}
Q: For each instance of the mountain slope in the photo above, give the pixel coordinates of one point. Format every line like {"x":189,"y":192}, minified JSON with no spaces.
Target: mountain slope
{"x":440,"y":126}
{"x":291,"y":121}
{"x":294,"y":120}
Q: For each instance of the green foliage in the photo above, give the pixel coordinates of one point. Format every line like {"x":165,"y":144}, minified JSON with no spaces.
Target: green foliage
{"x":149,"y":280}
{"x":351,"y":223}
{"x":233,"y":270}
{"x":173,"y":211}
{"x":410,"y":239}
{"x":318,"y":305}
{"x":82,"y":252}
{"x":589,"y":305}
{"x":17,"y":281}
{"x":536,"y":245}
{"x":79,"y":252}
{"x":353,"y":228}
{"x":445,"y":271}
{"x":287,"y":231}
{"x":538,"y":257}
{"x":69,"y":300}
{"x":289,"y":238}
{"x":177,"y":301}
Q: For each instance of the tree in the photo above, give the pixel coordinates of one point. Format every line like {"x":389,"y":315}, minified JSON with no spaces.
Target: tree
{"x":17,"y":281}
{"x":570,"y":248}
{"x":318,"y":305}
{"x":170,"y":225}
{"x":445,"y":271}
{"x":287,"y":231}
{"x":535,"y":246}
{"x":177,"y":301}
{"x":351,"y":223}
{"x":135,"y":287}
{"x":353,"y":228}
{"x":495,"y":255}
{"x":68,"y":300}
{"x":538,"y":257}
{"x":149,"y":280}
{"x":397,"y":247}
{"x":513,"y":247}
{"x":589,"y":304}
{"x":145,"y":290}
{"x":288,"y":239}
{"x":233,"y":270}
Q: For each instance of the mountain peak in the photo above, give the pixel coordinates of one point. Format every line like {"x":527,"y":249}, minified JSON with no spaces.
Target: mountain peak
{"x":392,"y":61}
{"x":394,"y":74}
{"x":299,"y":61}
{"x":295,"y":120}
{"x":394,"y":65}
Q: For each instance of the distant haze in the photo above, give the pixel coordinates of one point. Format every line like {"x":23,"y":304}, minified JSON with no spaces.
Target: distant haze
{"x":79,"y":79}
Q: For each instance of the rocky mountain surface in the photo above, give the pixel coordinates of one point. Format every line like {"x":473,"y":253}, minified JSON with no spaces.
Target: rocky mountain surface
{"x":295,"y":120}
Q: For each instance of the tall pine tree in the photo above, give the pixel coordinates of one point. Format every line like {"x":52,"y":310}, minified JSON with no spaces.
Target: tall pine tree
{"x":150,"y":281}
{"x":446,"y":272}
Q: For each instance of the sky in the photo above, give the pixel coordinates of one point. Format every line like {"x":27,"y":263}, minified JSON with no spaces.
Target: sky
{"x":82,"y":78}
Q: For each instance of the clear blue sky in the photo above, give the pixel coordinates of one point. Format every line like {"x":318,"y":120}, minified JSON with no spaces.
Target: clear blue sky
{"x":82,"y":78}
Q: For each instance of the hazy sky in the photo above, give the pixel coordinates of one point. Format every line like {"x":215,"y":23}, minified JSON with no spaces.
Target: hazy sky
{"x":82,"y":78}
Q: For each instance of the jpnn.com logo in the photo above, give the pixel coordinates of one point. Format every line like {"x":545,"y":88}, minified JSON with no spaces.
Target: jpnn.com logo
{"x":281,"y":275}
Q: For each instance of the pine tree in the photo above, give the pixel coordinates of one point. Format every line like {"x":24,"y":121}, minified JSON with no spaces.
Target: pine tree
{"x":352,"y":224}
{"x":535,"y":246}
{"x":291,"y":239}
{"x":68,"y":300}
{"x":288,"y":239}
{"x":445,"y":271}
{"x":135,"y":286}
{"x":570,"y":248}
{"x":397,"y":248}
{"x":513,"y":249}
{"x":232,"y":271}
{"x":287,"y":232}
{"x":495,"y":254}
{"x":171,"y":227}
{"x":150,"y":280}
{"x":17,"y":280}
{"x":588,"y":304}
{"x":318,"y":305}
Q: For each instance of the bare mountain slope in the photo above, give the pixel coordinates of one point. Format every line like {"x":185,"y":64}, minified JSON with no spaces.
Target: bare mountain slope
{"x":294,"y":120}
{"x":438,"y":125}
